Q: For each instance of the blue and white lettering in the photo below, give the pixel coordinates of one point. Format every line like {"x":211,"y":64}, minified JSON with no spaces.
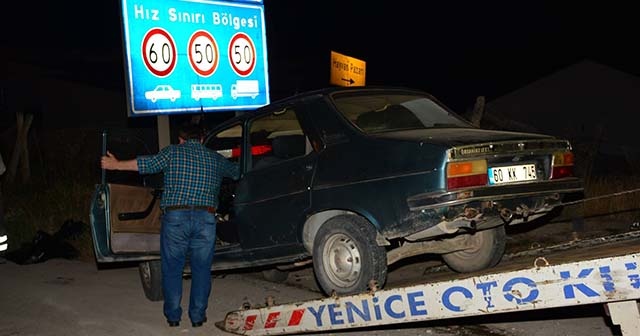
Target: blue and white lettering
{"x":317,"y":314}
{"x":376,"y":308}
{"x":389,"y":310}
{"x":634,"y":278}
{"x":508,"y":287}
{"x":447,"y":294}
{"x":334,"y":315}
{"x":568,"y":289}
{"x":414,"y":304}
{"x":486,"y":292}
{"x":363,"y":314}
{"x":607,"y":284}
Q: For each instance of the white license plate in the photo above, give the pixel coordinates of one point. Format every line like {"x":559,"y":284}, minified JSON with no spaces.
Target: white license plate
{"x":510,"y":174}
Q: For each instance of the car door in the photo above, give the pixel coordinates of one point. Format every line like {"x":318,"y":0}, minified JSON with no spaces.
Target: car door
{"x":228,"y":141}
{"x":125,"y":206}
{"x":125,"y":213}
{"x":125,"y":222}
{"x":273,"y":196}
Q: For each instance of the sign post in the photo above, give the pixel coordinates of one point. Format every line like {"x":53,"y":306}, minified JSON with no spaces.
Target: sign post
{"x":190,"y":56}
{"x":346,"y":70}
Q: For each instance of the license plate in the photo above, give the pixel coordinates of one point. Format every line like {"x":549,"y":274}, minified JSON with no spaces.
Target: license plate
{"x":511,"y":174}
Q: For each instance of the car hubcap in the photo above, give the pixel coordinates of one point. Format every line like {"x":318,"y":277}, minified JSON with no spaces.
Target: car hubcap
{"x":342,"y":260}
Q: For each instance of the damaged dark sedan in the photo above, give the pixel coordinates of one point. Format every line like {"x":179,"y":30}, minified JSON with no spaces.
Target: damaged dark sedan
{"x":353,"y":180}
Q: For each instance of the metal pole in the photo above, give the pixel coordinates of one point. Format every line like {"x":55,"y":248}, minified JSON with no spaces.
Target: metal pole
{"x":104,"y":152}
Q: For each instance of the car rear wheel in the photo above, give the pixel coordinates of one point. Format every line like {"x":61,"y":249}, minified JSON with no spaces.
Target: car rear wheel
{"x":151,"y":278}
{"x":488,"y":248}
{"x":346,"y":256}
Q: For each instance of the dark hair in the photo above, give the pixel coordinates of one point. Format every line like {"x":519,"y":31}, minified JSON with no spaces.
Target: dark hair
{"x":190,"y":131}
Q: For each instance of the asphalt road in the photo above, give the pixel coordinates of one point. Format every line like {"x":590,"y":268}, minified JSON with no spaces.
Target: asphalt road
{"x":73,"y":298}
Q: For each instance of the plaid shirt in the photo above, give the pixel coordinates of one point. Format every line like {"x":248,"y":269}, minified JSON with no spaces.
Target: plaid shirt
{"x":192,"y":173}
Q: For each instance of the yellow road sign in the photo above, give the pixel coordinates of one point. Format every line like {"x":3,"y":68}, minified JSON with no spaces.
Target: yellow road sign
{"x":346,"y":70}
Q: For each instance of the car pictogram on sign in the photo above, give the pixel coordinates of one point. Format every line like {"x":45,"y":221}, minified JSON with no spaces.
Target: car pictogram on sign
{"x":162,"y":92}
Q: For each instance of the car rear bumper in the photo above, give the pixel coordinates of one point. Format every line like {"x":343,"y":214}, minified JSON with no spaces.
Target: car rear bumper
{"x":440,"y":213}
{"x":437,"y":200}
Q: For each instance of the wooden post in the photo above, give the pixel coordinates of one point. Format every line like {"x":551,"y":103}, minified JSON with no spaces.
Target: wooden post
{"x":164,"y":134}
{"x":20,"y":155}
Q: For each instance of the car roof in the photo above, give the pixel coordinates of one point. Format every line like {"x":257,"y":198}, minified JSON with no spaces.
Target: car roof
{"x":327,"y":91}
{"x":335,"y":89}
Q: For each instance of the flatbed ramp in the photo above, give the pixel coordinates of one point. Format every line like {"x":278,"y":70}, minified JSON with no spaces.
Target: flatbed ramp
{"x":604,"y":270}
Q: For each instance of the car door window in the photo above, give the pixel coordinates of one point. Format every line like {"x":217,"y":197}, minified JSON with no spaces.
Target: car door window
{"x":276,"y":137}
{"x":227,"y":142}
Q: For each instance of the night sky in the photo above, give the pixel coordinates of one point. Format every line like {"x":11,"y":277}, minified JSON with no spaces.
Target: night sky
{"x":454,"y":50}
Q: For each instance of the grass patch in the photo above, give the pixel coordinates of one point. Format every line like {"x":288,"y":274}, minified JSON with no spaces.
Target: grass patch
{"x":624,"y":203}
{"x":64,"y":171}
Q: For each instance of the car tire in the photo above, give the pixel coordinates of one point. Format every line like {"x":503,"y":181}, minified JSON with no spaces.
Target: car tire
{"x":151,"y":279}
{"x":489,"y":249}
{"x":346,"y":256}
{"x":275,"y":275}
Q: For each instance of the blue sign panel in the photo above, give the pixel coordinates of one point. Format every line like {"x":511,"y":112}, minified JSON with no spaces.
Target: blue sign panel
{"x":189,"y":56}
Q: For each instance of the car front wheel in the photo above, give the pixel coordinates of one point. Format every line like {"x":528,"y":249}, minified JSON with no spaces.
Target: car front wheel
{"x":151,"y":278}
{"x":346,"y":257}
{"x":486,"y":251}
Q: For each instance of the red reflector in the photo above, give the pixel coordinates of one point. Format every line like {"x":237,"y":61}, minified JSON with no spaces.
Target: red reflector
{"x":260,"y":149}
{"x":235,"y":152}
{"x":255,"y":150}
{"x":560,"y":172}
{"x":466,"y":181}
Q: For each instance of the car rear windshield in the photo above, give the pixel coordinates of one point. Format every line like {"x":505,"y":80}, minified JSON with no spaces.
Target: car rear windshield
{"x":389,"y":112}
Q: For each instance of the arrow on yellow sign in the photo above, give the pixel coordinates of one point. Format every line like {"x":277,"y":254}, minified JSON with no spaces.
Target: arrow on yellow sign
{"x":349,"y":81}
{"x":346,"y":70}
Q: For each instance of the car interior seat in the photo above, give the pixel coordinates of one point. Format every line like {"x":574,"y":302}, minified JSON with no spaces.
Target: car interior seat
{"x":288,"y":146}
{"x":282,"y":148}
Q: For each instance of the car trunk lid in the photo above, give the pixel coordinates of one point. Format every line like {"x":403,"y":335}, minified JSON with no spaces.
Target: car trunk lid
{"x":503,"y":156}
{"x":458,"y":136}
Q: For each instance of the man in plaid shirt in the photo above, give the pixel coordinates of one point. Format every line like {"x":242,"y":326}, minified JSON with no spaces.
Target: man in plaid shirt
{"x":192,"y":178}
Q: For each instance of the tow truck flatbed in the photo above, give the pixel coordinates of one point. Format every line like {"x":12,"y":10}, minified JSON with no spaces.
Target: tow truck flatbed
{"x":598,"y":270}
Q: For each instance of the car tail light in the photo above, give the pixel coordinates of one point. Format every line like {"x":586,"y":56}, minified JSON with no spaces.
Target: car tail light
{"x":561,"y":165}
{"x":255,"y":150}
{"x":260,"y":149}
{"x":466,"y":174}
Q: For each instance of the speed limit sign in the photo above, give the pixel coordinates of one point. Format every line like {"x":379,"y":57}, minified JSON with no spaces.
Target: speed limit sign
{"x":194,"y":56}
{"x":159,"y":52}
{"x":242,"y":54}
{"x":203,"y":53}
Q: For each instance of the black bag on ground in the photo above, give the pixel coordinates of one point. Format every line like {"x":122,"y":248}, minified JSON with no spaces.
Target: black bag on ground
{"x":45,"y":246}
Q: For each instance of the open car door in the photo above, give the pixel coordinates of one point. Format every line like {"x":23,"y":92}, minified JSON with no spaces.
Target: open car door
{"x":125,"y":223}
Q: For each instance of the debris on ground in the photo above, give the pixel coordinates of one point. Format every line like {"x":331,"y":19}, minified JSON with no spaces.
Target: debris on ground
{"x":45,"y":246}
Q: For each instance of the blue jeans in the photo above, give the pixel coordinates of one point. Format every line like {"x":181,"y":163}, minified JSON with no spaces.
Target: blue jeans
{"x":185,"y":233}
